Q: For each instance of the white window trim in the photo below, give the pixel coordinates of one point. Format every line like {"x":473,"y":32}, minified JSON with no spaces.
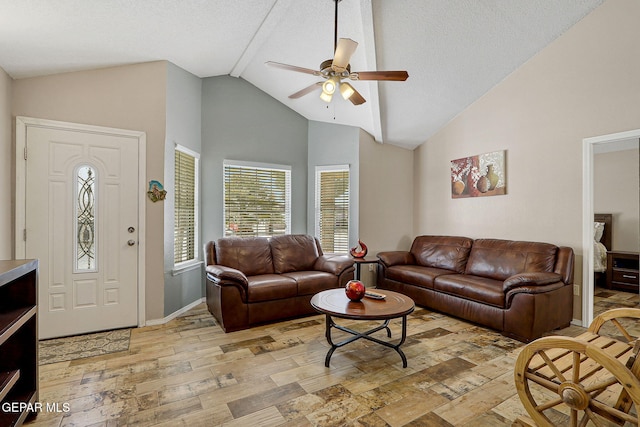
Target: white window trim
{"x":185,"y":266}
{"x":259,"y":165}
{"x":191,"y":264}
{"x":241,"y":163}
{"x":316,"y":210}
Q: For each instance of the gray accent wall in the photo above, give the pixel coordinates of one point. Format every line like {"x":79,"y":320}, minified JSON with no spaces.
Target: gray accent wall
{"x":240,"y":122}
{"x":184,"y":124}
{"x":331,"y":144}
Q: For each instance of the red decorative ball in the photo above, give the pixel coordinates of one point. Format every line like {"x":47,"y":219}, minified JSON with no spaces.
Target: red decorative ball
{"x":354,"y":290}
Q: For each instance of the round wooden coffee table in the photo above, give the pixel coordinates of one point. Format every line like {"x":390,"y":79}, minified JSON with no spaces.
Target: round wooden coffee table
{"x":334,"y":303}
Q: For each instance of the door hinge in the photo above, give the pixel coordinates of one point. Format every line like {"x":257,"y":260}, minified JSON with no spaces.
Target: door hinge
{"x":25,"y":153}
{"x":24,"y":234}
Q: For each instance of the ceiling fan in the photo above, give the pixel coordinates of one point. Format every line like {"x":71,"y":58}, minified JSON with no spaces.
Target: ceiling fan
{"x":333,"y":71}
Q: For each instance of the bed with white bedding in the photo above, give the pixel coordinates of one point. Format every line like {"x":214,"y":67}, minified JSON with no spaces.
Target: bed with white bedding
{"x":602,"y":225}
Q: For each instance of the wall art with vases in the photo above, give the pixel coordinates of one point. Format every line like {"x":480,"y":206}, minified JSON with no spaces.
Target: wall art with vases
{"x":479,"y":176}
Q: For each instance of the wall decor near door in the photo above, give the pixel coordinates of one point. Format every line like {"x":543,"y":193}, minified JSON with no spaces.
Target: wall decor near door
{"x":478,"y":176}
{"x":156,"y":191}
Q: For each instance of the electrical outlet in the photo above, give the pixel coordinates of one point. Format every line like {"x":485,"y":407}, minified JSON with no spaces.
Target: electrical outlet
{"x":371,"y":267}
{"x":576,"y":290}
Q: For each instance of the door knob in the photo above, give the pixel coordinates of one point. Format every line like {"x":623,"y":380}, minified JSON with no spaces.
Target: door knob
{"x":131,"y":242}
{"x":131,"y":229}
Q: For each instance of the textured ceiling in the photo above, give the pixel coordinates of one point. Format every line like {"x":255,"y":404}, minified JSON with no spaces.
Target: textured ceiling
{"x":454,"y":50}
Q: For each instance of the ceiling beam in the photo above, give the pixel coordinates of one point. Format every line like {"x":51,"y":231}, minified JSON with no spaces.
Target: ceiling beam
{"x":369,"y":42}
{"x":271,"y":20}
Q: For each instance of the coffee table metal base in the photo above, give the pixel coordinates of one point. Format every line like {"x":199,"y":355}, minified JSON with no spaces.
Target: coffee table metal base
{"x":366,"y":335}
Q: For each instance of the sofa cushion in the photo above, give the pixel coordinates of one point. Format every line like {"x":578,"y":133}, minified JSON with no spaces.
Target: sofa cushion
{"x":415,"y":274}
{"x":501,"y":259}
{"x":251,"y":255}
{"x":293,"y":252}
{"x":312,"y":282}
{"x":445,"y":252}
{"x":474,"y":288}
{"x":267,"y":287}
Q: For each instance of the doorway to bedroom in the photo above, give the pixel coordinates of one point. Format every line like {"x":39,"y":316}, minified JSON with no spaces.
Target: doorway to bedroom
{"x":611,"y":229}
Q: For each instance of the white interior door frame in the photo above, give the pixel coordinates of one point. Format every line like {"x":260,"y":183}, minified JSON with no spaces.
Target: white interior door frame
{"x":588,"y":145}
{"x":22,"y":124}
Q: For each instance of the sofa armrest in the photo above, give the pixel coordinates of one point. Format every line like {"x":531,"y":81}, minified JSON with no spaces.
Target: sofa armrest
{"x":531,"y":289}
{"x":228,"y":277}
{"x":531,"y":283}
{"x":564,"y":264}
{"x":390,"y":258}
{"x":531,"y":280}
{"x":220,"y":273}
{"x":333,"y":264}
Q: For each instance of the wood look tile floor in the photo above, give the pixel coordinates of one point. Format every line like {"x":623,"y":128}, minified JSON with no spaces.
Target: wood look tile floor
{"x":188,"y":372}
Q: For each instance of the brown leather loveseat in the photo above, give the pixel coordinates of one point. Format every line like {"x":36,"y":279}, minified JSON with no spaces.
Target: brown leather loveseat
{"x":522,"y":289}
{"x":257,"y":280}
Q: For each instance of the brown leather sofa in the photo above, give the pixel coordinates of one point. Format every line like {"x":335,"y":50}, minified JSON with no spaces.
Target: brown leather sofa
{"x":256,"y":280}
{"x":522,"y":289}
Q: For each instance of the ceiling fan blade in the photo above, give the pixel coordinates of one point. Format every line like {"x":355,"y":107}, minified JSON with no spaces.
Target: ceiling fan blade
{"x":356,"y":98}
{"x":342,"y":56}
{"x":306,"y":90}
{"x":292,"y":68}
{"x":398,"y":76}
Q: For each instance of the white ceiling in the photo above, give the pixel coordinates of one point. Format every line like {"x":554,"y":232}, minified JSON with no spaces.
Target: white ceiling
{"x":454,"y":50}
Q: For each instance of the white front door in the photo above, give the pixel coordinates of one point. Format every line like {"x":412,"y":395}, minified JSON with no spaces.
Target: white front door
{"x":81,"y":212}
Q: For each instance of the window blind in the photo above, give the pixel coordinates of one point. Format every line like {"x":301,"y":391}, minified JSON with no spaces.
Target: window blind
{"x":185,"y":235}
{"x":332,"y":208}
{"x":256,"y":200}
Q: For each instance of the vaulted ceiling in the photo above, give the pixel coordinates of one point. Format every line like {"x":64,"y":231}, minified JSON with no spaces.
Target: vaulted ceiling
{"x":454,"y":50}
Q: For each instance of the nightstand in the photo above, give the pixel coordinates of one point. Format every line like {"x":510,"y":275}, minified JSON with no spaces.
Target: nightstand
{"x":622,"y":271}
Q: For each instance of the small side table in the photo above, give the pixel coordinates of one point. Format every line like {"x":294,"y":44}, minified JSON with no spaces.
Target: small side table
{"x":360,"y":261}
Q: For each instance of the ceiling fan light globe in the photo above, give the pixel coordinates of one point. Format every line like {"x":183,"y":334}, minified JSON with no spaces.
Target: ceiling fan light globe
{"x":329,"y":87}
{"x":326,"y":97}
{"x":346,"y":90}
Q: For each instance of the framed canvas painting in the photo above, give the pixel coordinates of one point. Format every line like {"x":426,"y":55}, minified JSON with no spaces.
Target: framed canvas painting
{"x":478,"y":176}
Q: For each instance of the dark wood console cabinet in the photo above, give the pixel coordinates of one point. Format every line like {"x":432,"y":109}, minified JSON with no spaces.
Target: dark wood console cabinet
{"x":622,"y":271}
{"x":18,"y":341}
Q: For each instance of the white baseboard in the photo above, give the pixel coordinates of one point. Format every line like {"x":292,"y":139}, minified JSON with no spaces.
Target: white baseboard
{"x":576,"y":322}
{"x":174,"y":314}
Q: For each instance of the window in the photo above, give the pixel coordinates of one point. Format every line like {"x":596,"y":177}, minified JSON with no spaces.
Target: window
{"x":257,"y":199}
{"x":332,"y":208}
{"x":185,"y":232}
{"x":85,"y":224}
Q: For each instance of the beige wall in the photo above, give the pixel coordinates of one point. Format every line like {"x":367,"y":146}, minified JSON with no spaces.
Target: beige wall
{"x":128,"y":97}
{"x":616,"y":191}
{"x":386,"y":198}
{"x":6,"y":169}
{"x":585,"y":84}
{"x":386,"y":195}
